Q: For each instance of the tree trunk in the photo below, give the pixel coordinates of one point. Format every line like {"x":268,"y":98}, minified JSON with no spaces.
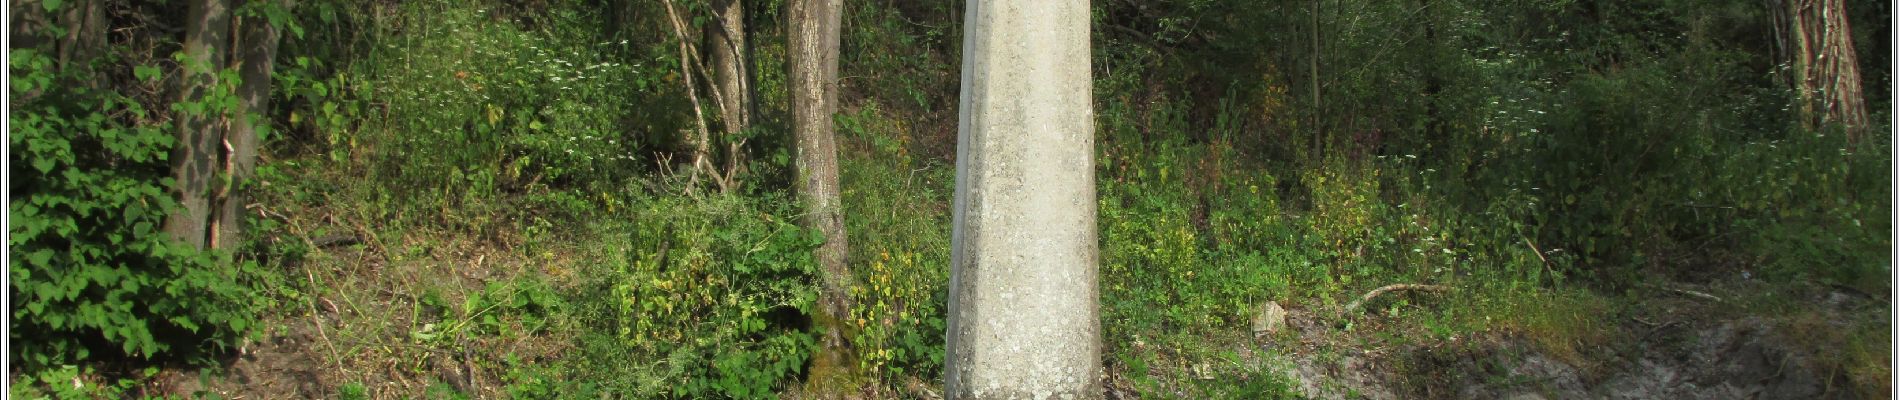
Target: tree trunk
{"x":702,"y":143}
{"x":28,"y":24}
{"x":1319,"y":134}
{"x":814,"y":41}
{"x":1434,"y":83}
{"x":257,"y":50}
{"x":85,"y":23}
{"x":1023,"y":317}
{"x":1827,"y":70}
{"x":730,"y":69}
{"x":195,"y":157}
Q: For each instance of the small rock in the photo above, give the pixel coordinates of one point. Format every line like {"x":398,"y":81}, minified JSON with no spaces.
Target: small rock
{"x":1837,"y":299}
{"x":1270,"y":319}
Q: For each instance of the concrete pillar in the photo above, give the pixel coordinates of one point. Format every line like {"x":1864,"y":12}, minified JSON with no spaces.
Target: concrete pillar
{"x":1023,"y":300}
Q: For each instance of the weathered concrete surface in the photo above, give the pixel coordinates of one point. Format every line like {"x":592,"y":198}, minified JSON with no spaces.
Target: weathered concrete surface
{"x":1023,"y":299}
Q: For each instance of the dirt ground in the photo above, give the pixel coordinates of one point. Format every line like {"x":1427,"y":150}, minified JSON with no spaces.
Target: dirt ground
{"x":1677,"y":352}
{"x":1676,"y":347}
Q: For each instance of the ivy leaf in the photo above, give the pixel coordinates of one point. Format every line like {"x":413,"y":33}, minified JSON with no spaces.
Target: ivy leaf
{"x":40,"y":258}
{"x":147,"y":73}
{"x":51,"y":4}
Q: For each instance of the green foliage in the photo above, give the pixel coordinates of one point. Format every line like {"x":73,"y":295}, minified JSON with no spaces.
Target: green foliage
{"x":529,"y":111}
{"x":70,"y":382}
{"x":718,"y":293}
{"x":521,"y":308}
{"x":353,"y":391}
{"x":1513,"y":150}
{"x":511,"y":309}
{"x":898,"y":222}
{"x":529,"y":382}
{"x":93,"y":275}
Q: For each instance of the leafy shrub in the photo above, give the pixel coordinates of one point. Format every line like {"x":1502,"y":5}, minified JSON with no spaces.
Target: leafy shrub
{"x":73,"y":383}
{"x":522,"y":307}
{"x":718,"y":291}
{"x":524,"y":109}
{"x":92,"y":273}
{"x":897,"y":218}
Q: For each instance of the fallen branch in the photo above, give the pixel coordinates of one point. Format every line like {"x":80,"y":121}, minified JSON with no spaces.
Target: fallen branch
{"x":1697,"y":294}
{"x":1355,"y":305}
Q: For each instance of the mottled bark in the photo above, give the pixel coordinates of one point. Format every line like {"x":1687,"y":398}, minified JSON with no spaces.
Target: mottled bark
{"x":85,"y":23}
{"x":257,"y":50}
{"x":727,"y":37}
{"x":1023,"y":316}
{"x":814,"y":40}
{"x":28,"y":24}
{"x":195,"y":155}
{"x":1827,"y":70}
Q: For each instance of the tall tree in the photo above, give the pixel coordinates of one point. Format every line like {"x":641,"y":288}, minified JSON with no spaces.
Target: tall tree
{"x":1826,"y":69}
{"x":814,"y":42}
{"x":1023,"y":317}
{"x":1319,"y":131}
{"x":195,"y":157}
{"x":256,"y":52}
{"x":731,"y":69}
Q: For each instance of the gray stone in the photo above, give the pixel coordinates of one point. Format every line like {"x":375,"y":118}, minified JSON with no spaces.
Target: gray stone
{"x":1271,"y":318}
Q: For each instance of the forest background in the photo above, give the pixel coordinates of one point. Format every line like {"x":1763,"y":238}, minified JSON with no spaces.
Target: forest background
{"x":561,"y":198}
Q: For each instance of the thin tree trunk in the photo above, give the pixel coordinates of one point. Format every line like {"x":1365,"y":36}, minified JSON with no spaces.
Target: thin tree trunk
{"x":701,"y":144}
{"x":1434,"y":83}
{"x":195,"y":159}
{"x":85,"y":23}
{"x":730,"y":66}
{"x":257,"y":51}
{"x":814,"y":41}
{"x":1319,"y":135}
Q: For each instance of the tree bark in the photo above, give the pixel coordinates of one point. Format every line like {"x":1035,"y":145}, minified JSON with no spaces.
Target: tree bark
{"x":731,"y":67}
{"x":1319,"y":134}
{"x":85,"y":23}
{"x":1434,"y":83}
{"x":257,"y":51}
{"x":1827,"y":70}
{"x":1023,"y":316}
{"x":28,"y":24}
{"x":702,"y":144}
{"x":814,"y":40}
{"x":195,"y":157}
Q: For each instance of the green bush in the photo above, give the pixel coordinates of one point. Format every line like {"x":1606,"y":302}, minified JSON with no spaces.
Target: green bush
{"x":898,"y":221}
{"x":479,"y":107}
{"x":93,"y":275}
{"x":718,"y":293}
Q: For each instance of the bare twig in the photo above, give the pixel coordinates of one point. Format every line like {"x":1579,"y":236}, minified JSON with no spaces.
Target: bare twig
{"x":1539,"y":253}
{"x":689,"y":63}
{"x":1540,"y":256}
{"x":316,"y":320}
